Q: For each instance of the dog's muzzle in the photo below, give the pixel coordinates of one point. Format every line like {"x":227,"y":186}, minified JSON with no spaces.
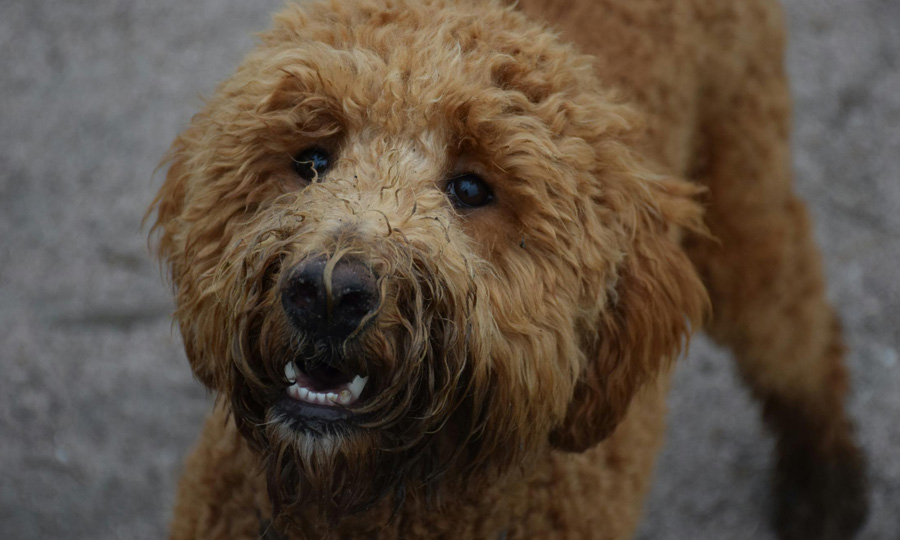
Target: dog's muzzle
{"x":327,"y":303}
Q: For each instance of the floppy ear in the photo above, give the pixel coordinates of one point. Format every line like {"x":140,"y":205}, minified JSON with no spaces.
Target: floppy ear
{"x":657,"y":299}
{"x":169,"y":228}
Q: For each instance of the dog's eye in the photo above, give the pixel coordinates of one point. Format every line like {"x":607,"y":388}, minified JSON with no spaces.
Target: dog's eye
{"x":469,"y":191}
{"x":312,"y":163}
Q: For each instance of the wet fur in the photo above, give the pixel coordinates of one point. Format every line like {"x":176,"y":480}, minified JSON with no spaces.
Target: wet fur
{"x":521,"y":350}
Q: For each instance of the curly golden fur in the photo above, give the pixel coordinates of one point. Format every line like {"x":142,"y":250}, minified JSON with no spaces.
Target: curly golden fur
{"x":518,"y":353}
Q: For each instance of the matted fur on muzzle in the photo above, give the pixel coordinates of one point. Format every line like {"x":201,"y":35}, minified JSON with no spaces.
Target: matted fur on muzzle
{"x":427,"y":405}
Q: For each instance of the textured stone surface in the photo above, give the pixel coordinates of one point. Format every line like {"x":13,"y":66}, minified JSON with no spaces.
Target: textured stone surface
{"x":97,"y":405}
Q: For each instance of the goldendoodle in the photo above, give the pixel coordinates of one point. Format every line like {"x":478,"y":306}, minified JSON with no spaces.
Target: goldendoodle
{"x":435,"y":261}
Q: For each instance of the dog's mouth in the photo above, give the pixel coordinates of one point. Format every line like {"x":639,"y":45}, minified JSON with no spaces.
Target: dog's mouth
{"x":322,"y":393}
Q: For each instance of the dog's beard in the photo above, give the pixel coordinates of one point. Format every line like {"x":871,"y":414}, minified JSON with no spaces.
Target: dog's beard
{"x":421,"y":419}
{"x":398,"y":441}
{"x":330,"y":474}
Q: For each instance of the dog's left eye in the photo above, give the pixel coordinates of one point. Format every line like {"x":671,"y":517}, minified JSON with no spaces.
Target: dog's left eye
{"x":311,"y":163}
{"x":469,"y":191}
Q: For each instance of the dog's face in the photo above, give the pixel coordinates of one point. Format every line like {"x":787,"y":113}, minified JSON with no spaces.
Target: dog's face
{"x":411,"y":243}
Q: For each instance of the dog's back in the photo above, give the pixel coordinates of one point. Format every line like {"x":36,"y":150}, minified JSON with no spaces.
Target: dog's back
{"x":711,"y":78}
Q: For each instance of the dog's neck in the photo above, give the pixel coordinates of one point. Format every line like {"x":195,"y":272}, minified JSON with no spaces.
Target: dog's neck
{"x":268,"y":531}
{"x":475,"y":515}
{"x":482,"y":510}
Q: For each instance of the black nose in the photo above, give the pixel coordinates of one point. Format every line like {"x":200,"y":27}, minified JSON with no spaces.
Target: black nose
{"x":328,"y":308}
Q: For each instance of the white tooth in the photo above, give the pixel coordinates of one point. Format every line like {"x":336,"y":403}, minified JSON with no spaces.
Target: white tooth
{"x":332,"y":397}
{"x":320,"y":398}
{"x":356,"y":387}
{"x":289,"y":372}
{"x":294,"y":391}
{"x":345,"y":397}
{"x":303,"y":393}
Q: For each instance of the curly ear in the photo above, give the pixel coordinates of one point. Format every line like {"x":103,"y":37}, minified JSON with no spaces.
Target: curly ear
{"x":658,"y":298}
{"x":169,"y":228}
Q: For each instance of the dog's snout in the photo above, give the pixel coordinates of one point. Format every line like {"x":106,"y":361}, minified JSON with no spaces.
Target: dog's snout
{"x":329,"y":303}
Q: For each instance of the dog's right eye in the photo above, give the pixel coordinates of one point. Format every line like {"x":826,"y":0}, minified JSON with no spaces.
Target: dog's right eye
{"x":469,"y":191}
{"x":311,"y":163}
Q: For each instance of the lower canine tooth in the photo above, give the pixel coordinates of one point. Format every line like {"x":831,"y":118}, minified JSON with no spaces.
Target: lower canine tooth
{"x":289,"y":373}
{"x":357,"y":386}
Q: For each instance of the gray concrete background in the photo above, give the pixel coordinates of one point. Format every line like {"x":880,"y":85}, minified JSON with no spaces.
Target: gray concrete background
{"x":97,"y":405}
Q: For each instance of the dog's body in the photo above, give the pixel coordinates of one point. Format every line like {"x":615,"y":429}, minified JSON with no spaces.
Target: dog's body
{"x":520,"y":343}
